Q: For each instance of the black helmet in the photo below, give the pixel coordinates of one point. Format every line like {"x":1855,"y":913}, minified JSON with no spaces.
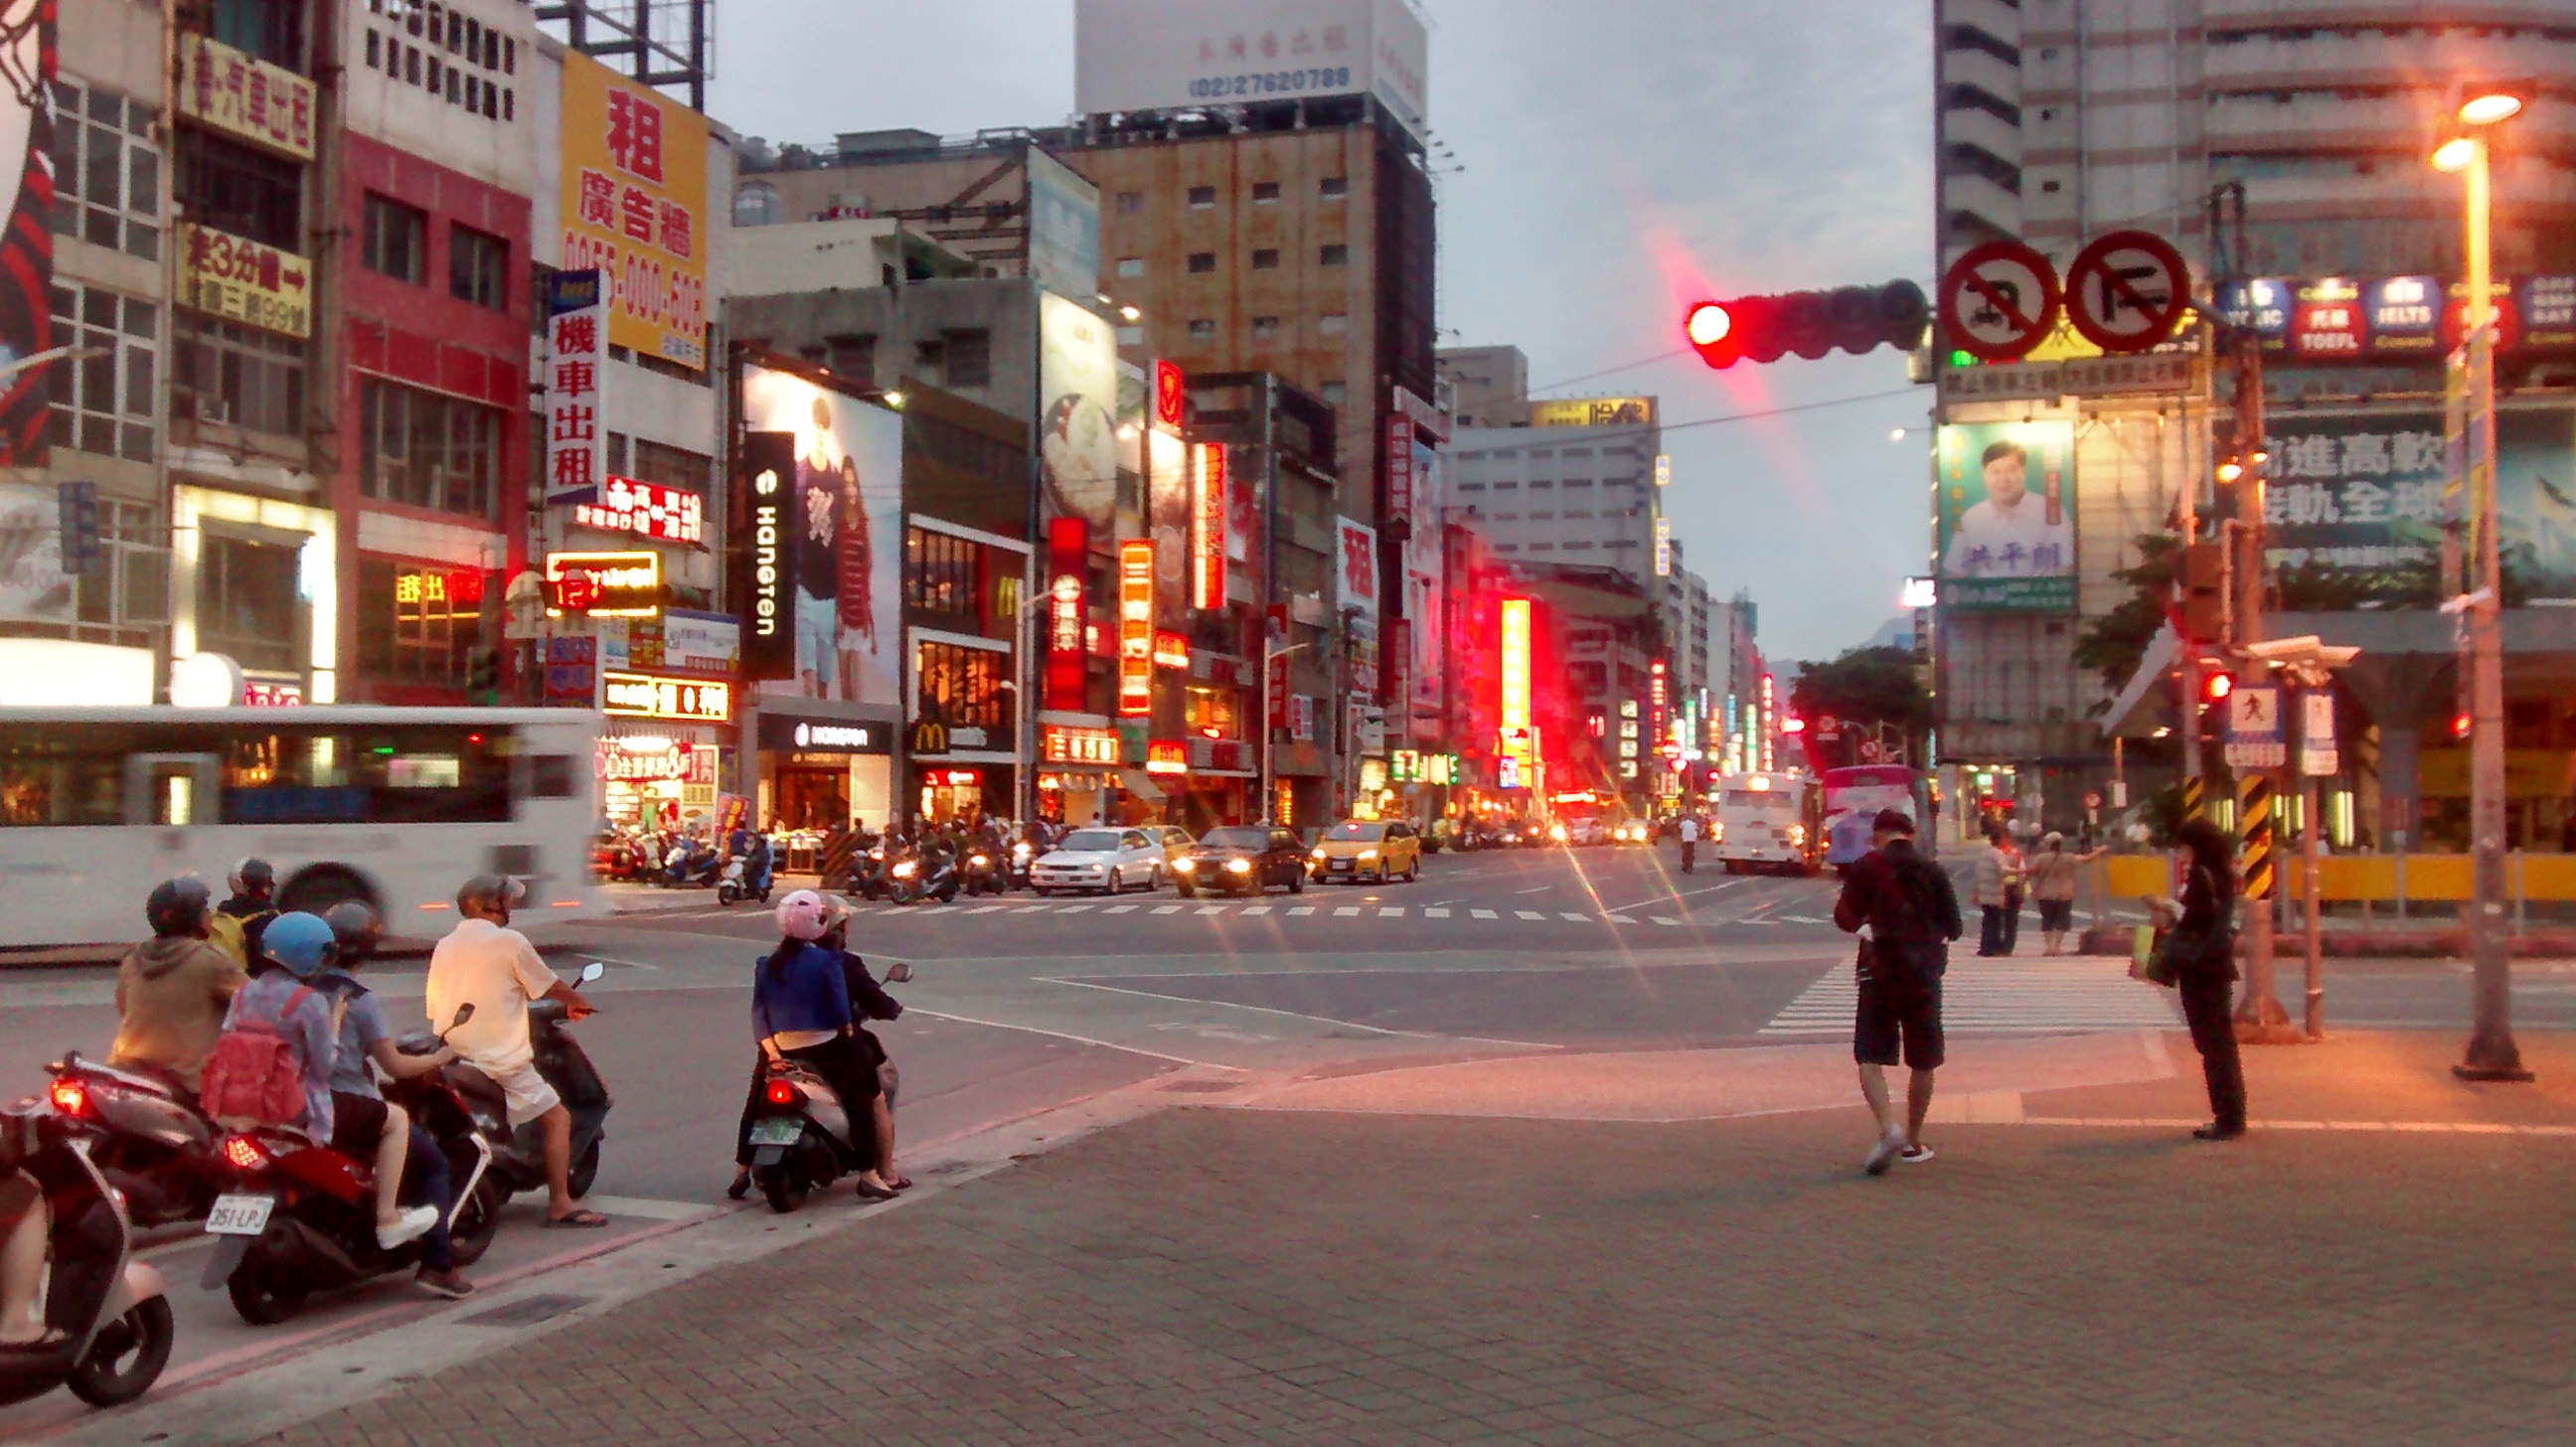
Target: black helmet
{"x":254,"y":877}
{"x":177,"y":906}
{"x":356,"y":927}
{"x":491,"y":891}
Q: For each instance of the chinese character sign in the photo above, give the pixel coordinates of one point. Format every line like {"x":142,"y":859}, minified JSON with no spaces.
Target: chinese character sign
{"x":647,"y":509}
{"x":1355,"y":568}
{"x":246,"y":98}
{"x":576,"y":354}
{"x":2007,"y":516}
{"x":2360,"y":494}
{"x":244,"y":280}
{"x":634,"y":206}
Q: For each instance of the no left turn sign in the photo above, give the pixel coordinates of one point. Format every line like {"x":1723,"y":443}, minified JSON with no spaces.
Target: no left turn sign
{"x":2126,"y":291}
{"x":1998,"y":300}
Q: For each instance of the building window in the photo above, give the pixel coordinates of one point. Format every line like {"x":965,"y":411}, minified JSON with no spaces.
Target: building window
{"x":1202,"y":329}
{"x":234,"y":188}
{"x":852,"y":356}
{"x":1130,"y":267}
{"x":1264,"y":192}
{"x":428,"y":450}
{"x":223,"y":372}
{"x":478,"y":267}
{"x":375,"y":51}
{"x":1334,"y":255}
{"x":129,"y":590}
{"x":970,"y":358}
{"x":418,"y":623}
{"x":1202,"y":262}
{"x":1202,"y":196}
{"x":1265,"y":258}
{"x":938,"y":573}
{"x":1335,"y":393}
{"x":962,"y":687}
{"x":397,"y":240}
{"x":1131,"y":203}
{"x":1264,"y":328}
{"x":246,"y":599}
{"x":107,"y":174}
{"x":103,"y":402}
{"x":1333,"y":324}
{"x":663,"y":465}
{"x":1333,"y":188}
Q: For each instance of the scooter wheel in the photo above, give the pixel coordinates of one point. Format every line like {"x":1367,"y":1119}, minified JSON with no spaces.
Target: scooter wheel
{"x":126,"y":1357}
{"x":781,"y":1187}
{"x":725,"y":894}
{"x":260,"y":1301}
{"x":477,"y":1221}
{"x":585,"y":1170}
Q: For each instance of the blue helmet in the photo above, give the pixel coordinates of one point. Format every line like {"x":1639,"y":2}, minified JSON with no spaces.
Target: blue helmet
{"x":302,"y":942}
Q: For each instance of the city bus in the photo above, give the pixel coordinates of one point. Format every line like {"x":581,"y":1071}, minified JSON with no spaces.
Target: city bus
{"x":393,"y":806}
{"x":1853,"y":797}
{"x":1766,"y":820}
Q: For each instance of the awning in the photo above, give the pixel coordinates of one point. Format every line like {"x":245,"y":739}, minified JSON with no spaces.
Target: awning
{"x":2136,"y":713}
{"x":1141,"y":784}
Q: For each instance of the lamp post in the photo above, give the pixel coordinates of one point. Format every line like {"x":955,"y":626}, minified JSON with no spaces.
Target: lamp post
{"x":2492,"y":1054}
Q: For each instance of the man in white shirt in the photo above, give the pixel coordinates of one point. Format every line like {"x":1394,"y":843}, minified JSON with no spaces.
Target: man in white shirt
{"x":2009,"y":534}
{"x":485,"y":963}
{"x":1690,"y":841}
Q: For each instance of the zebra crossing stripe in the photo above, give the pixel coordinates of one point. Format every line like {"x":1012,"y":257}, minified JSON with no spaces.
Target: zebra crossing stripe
{"x":1529,"y":914}
{"x":1392,"y":911}
{"x":2003,"y":999}
{"x":1663,"y":919}
{"x":1484,"y":914}
{"x":1256,"y":909}
{"x":1167,"y":909}
{"x":1071,"y":908}
{"x":1346,"y":912}
{"x":1577,"y":918}
{"x":1211,"y":909}
{"x":988,"y":909}
{"x":1301,"y":909}
{"x":1118,"y":909}
{"x":1618,"y":919}
{"x":1434,"y":912}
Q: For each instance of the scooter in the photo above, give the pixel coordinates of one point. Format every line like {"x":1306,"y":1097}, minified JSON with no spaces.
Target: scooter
{"x":740,"y":883}
{"x":982,"y":877}
{"x":802,"y":1141}
{"x":519,"y":1156}
{"x":301,"y":1217}
{"x":688,"y":866}
{"x":872,"y":875}
{"x":151,"y":1141}
{"x":113,"y":1310}
{"x":1023,"y":854}
{"x":932,"y":876}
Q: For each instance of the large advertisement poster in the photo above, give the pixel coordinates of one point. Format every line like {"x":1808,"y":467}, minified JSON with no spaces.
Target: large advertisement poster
{"x":845,"y":518}
{"x":1064,"y":227}
{"x":1145,"y":55}
{"x":1078,"y":392}
{"x":33,"y":586}
{"x":2007,"y":516}
{"x":2355,"y":501}
{"x":1422,"y":589}
{"x":634,"y":207}
{"x":27,"y":245}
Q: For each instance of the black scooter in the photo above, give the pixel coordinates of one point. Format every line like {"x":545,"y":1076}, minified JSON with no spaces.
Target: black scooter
{"x":113,"y":1311}
{"x":802,"y":1140}
{"x":931,"y":875}
{"x":519,"y":1157}
{"x":983,"y":874}
{"x":872,"y":874}
{"x":152,"y":1143}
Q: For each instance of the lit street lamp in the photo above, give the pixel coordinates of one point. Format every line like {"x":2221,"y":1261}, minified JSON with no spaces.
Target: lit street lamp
{"x":2492,"y":1054}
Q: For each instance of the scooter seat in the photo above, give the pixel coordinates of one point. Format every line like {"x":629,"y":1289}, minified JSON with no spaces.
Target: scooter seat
{"x":149,"y":1078}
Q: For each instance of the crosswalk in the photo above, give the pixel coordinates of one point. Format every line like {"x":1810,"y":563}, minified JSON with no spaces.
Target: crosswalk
{"x":2001,"y":997}
{"x":1280,"y":908}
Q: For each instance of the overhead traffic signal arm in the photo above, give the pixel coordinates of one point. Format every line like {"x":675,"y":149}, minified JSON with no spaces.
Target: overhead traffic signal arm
{"x":1810,"y":323}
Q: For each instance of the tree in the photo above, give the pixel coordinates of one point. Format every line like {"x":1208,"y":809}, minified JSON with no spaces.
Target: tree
{"x":1867,"y":686}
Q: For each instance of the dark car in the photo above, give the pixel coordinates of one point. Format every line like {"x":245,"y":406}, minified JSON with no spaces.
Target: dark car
{"x":1241,"y":859}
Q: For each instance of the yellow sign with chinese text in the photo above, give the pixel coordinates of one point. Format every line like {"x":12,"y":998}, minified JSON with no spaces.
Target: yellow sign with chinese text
{"x":1593,"y":412}
{"x":247,"y":98}
{"x":634,"y":207}
{"x":244,"y":280}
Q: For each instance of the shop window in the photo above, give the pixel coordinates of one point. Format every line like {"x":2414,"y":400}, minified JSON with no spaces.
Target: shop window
{"x":428,"y":450}
{"x":938,"y":573}
{"x":107,"y":172}
{"x":478,"y":267}
{"x":962,"y":688}
{"x":663,"y":465}
{"x":227,"y":373}
{"x":418,"y":623}
{"x":1212,"y":714}
{"x":247,"y":597}
{"x":103,"y":402}
{"x":397,"y":240}
{"x":246,"y":192}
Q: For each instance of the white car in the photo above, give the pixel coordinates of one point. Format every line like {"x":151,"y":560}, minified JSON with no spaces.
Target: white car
{"x":1107,"y":860}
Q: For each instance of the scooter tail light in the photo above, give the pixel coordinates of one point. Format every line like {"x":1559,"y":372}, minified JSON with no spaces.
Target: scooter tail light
{"x":70,"y":1097}
{"x":243,"y":1153}
{"x":782,"y":1092}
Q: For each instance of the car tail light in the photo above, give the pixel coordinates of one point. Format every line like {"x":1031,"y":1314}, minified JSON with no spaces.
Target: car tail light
{"x":244,"y":1153}
{"x":70,"y":1097}
{"x":782,"y":1092}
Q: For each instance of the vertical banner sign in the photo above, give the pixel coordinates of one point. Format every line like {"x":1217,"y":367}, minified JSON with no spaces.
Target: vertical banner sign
{"x":634,"y":194}
{"x":1135,"y":628}
{"x":1068,"y":553}
{"x":1274,"y":664}
{"x":1514,"y":712}
{"x":1207,"y":525}
{"x":1663,"y":547}
{"x":576,"y":354}
{"x":767,"y":523}
{"x":1170,"y":399}
{"x":1399,"y":468}
{"x":27,"y":244}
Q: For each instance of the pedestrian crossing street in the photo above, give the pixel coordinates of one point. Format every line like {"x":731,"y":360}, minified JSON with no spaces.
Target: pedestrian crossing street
{"x":2001,"y":997}
{"x":1281,"y":908}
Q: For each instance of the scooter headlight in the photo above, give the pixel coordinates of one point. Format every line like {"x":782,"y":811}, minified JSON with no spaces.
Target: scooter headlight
{"x":979,"y":861}
{"x":904,"y":870}
{"x":1186,"y":866}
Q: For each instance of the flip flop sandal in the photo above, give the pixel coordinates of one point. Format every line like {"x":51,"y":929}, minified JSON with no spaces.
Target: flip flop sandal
{"x":578,"y":1220}
{"x":874,"y":1193}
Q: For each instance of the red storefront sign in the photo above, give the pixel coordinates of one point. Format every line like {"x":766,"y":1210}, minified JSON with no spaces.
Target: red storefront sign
{"x":1170,"y":397}
{"x":1135,"y":628}
{"x":1068,"y":551}
{"x":649,"y":509}
{"x":1207,"y":525}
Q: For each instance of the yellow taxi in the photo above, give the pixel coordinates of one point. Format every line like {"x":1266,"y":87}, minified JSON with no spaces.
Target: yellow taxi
{"x":1372,"y":849}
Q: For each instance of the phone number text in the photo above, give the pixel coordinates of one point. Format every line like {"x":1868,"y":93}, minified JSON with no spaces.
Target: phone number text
{"x":1271,"y":82}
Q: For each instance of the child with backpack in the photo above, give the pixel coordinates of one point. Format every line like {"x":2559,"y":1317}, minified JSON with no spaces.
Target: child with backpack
{"x":273,"y":1064}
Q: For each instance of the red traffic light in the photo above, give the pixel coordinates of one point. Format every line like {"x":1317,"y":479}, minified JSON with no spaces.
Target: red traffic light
{"x":1792,"y":724}
{"x":2216,"y":687}
{"x":1713,"y":332}
{"x":2460,"y":725}
{"x":1810,"y":323}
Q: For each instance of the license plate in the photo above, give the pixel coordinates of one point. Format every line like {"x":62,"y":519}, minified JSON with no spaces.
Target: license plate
{"x":777,"y":1130}
{"x":240,"y":1215}
{"x":1341,"y":864}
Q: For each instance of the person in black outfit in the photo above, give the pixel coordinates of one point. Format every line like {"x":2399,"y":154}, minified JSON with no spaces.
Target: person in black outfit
{"x":1906,"y":912}
{"x":252,"y":901}
{"x":2203,"y":949}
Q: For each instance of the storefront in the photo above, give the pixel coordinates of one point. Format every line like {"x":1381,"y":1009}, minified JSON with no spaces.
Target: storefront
{"x":650,"y":777}
{"x":257,"y":580}
{"x":820,"y":769}
{"x":1077,"y":766}
{"x":956,"y":775}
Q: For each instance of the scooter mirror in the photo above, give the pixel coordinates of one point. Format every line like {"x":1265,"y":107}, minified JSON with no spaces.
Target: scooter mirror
{"x":592,"y":971}
{"x":464,"y":1013}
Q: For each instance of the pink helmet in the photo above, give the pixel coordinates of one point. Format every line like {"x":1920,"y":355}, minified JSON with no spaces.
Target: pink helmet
{"x":803,"y":916}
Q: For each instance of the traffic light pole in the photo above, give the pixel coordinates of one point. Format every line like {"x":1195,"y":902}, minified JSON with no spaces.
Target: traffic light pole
{"x":2259,"y":1016}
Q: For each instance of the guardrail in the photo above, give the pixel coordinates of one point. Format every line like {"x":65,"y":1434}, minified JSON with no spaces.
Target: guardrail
{"x":2400,"y":881}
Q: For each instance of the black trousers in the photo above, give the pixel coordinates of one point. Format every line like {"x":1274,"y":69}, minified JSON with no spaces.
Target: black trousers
{"x":1690,"y":851}
{"x":846,"y":1066}
{"x":2205,"y":1000}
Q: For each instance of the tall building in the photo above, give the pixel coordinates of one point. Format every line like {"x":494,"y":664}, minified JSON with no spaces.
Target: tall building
{"x":1489,"y":386}
{"x":1569,"y":490}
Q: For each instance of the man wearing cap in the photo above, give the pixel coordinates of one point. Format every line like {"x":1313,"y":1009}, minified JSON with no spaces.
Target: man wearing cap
{"x":1905,"y":912}
{"x":485,"y":963}
{"x":171,"y":993}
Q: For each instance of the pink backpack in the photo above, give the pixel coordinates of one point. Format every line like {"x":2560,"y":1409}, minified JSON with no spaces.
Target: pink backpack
{"x":256,"y":1073}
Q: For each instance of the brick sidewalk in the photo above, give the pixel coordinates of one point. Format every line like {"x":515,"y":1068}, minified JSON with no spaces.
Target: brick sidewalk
{"x":1210,"y":1275}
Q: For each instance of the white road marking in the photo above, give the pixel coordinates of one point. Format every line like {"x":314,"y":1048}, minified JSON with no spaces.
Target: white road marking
{"x":1663,"y":919}
{"x":1618,"y":919}
{"x":1118,"y":909}
{"x":1529,"y":914}
{"x":2000,"y":998}
{"x":1210,"y":909}
{"x":1345,"y":911}
{"x":1433,"y":911}
{"x":1484,"y":914}
{"x":1542,"y":889}
{"x":1256,"y":909}
{"x":1073,"y":909}
{"x":1168,"y":908}
{"x":1577,"y":918}
{"x":1301,"y":909}
{"x":988,"y":909}
{"x":650,"y":1210}
{"x":1392,"y":911}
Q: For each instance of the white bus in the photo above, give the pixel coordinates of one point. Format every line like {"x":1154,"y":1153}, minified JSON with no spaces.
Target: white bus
{"x":394,"y":806}
{"x":1767,"y":820}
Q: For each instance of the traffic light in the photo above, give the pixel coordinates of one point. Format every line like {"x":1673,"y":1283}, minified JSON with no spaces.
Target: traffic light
{"x":2204,"y":592}
{"x":1809,"y":323}
{"x":2460,"y":723}
{"x":483,"y":672}
{"x":2215,"y":684}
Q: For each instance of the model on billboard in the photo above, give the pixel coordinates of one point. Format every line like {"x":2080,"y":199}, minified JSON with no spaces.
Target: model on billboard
{"x":1078,"y":441}
{"x":27,"y":246}
{"x":858,"y":580}
{"x":2011,"y":534}
{"x":818,"y":567}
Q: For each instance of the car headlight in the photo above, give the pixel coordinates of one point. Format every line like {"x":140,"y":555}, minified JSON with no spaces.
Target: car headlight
{"x":1557,"y":833}
{"x":1368,"y":854}
{"x":1239,"y":866}
{"x":1319,"y":855}
{"x":1185,"y":865}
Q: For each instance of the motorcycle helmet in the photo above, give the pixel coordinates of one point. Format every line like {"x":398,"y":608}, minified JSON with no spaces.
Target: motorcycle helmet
{"x":355,"y":927}
{"x":491,"y":891}
{"x":254,"y":878}
{"x":299,"y":941}
{"x":803,"y":916}
{"x":177,"y":906}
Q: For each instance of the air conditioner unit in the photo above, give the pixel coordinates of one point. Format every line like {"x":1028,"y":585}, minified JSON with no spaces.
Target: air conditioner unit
{"x":214,"y":409}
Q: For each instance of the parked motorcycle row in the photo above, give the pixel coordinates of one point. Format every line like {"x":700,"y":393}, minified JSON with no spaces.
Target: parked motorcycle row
{"x":686,"y":859}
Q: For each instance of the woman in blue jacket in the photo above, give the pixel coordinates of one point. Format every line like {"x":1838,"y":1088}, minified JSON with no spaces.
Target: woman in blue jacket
{"x":800,"y":1010}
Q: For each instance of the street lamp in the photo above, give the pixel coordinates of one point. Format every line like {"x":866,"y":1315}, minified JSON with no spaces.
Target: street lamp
{"x":2492,"y":1054}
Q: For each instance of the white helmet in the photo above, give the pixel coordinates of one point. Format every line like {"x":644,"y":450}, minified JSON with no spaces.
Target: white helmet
{"x":803,"y":916}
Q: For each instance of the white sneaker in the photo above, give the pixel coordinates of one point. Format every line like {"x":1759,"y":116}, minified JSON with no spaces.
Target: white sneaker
{"x":1883,"y":1154}
{"x":409,"y":1226}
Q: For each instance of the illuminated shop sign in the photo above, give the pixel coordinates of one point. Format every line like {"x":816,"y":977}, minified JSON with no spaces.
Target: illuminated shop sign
{"x":1207,"y":525}
{"x":1167,"y":756}
{"x":1061,"y":744}
{"x":647,"y":509}
{"x":1135,"y":628}
{"x":1516,"y":663}
{"x":1068,"y":553}
{"x":646,"y":695}
{"x":604,"y":585}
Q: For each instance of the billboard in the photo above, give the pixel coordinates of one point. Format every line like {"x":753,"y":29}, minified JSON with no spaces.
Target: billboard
{"x":576,"y":355}
{"x":844,"y":520}
{"x":762,"y":518}
{"x":2006,"y":502}
{"x":1078,"y":430}
{"x":1594,"y":412}
{"x":634,"y":208}
{"x":33,"y":586}
{"x":1064,"y":227}
{"x":1424,"y":569}
{"x":1155,"y":55}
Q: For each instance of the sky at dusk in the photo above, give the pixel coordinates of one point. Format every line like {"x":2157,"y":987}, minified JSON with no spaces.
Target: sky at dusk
{"x":1613,"y":161}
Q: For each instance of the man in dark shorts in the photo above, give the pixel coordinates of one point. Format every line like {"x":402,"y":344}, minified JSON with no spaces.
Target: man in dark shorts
{"x":1905,"y":912}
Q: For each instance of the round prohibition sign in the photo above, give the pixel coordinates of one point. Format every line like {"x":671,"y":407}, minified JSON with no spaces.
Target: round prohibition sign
{"x":2127,"y":290}
{"x":1998,"y":300}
